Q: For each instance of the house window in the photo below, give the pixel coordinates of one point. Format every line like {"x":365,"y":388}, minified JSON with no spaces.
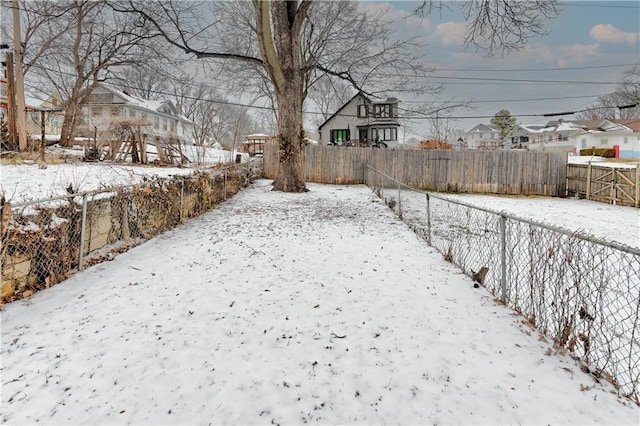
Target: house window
{"x":115,"y":111}
{"x":604,"y":142}
{"x":164,"y":124}
{"x":480,"y":135}
{"x":583,"y":143}
{"x":626,"y":140}
{"x":384,"y":134}
{"x":156,"y":122}
{"x":103,"y":98}
{"x":96,"y":110}
{"x":362,"y":111}
{"x":132,"y":113}
{"x":340,"y":135}
{"x":382,"y":111}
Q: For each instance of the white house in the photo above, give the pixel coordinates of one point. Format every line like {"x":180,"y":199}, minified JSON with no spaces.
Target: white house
{"x":482,"y":136}
{"x":621,"y":135}
{"x":157,"y":119}
{"x":362,"y":122}
{"x":520,"y":136}
{"x":555,"y":135}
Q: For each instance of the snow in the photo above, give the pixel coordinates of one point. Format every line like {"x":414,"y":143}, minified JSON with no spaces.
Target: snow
{"x":604,"y":221}
{"x":22,"y":183}
{"x":320,"y":307}
{"x":601,"y":161}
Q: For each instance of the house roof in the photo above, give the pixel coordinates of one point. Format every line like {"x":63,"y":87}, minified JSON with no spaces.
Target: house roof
{"x":484,"y":128}
{"x":343,"y":107}
{"x":144,"y":103}
{"x":631,"y":123}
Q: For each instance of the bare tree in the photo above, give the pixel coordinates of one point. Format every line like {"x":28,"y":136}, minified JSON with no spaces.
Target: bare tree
{"x":328,"y":94}
{"x":505,"y":25}
{"x":289,"y":45}
{"x":89,"y":41}
{"x":623,"y":102}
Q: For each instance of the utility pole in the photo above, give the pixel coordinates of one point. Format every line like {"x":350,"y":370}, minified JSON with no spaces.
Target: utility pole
{"x":11,"y":101}
{"x":21,"y":118}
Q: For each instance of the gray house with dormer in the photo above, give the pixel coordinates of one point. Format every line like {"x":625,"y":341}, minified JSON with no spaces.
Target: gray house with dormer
{"x":362,"y":122}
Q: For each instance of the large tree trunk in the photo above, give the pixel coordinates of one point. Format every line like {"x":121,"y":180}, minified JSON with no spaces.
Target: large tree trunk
{"x":282,"y":59}
{"x":290,"y":170}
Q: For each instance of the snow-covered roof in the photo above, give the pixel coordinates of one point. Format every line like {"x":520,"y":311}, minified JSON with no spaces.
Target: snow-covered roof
{"x":144,"y":103}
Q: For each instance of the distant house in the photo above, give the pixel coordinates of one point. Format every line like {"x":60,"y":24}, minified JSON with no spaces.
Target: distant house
{"x":362,"y":122}
{"x":35,"y":106}
{"x":520,"y":135}
{"x":571,"y":136}
{"x":159,"y":120}
{"x":621,"y":135}
{"x":555,"y":135}
{"x":482,"y":136}
{"x":53,"y":110}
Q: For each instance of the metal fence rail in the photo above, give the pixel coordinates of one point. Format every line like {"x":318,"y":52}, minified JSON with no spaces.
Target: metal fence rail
{"x":45,"y":241}
{"x":581,"y":292}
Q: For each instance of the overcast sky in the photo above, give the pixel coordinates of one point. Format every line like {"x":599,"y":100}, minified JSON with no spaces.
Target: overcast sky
{"x":590,"y":42}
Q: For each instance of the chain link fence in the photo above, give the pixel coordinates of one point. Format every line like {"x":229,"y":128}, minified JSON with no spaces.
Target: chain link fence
{"x":580,"y":292}
{"x":45,"y":241}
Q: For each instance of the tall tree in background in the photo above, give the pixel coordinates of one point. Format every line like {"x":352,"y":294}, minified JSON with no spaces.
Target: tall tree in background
{"x":624,"y":102}
{"x":504,"y":121}
{"x":499,"y":25}
{"x":77,"y":44}
{"x":289,"y":45}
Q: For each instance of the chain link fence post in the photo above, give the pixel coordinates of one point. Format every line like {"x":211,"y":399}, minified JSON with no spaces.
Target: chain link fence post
{"x":181,"y":199}
{"x":428,"y":219}
{"x":503,"y":257}
{"x":83,"y":226}
{"x":224,"y":184}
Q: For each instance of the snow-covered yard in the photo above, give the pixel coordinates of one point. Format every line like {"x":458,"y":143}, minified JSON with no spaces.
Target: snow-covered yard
{"x":278,"y":308}
{"x":28,"y":182}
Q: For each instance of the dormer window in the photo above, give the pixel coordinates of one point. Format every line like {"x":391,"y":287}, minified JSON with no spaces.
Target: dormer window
{"x":382,"y":111}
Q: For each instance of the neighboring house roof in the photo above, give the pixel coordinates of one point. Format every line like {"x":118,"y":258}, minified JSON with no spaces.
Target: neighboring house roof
{"x":343,"y":107}
{"x":390,"y":100}
{"x":484,"y":128}
{"x":155,"y":106}
{"x":633,"y":123}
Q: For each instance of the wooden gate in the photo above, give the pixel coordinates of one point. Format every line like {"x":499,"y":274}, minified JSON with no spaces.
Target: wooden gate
{"x":612,"y":185}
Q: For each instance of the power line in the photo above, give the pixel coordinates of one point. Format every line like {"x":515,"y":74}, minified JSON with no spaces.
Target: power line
{"x":422,"y":117}
{"x":502,"y":80}
{"x":522,"y":100}
{"x":532,"y":69}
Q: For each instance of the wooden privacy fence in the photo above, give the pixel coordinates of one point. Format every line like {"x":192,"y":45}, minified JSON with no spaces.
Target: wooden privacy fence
{"x":613,"y":185}
{"x":494,"y":172}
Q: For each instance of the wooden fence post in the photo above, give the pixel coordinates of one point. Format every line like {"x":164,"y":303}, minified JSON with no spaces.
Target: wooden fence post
{"x":637,"y":186}
{"x":588,"y":195}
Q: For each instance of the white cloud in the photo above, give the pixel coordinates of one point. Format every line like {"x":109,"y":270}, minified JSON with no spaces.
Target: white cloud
{"x":607,"y":33}
{"x":393,"y":14}
{"x":451,"y":33}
